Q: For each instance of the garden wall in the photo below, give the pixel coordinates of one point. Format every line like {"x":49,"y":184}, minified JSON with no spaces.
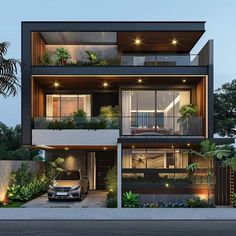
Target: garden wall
{"x":6,"y":167}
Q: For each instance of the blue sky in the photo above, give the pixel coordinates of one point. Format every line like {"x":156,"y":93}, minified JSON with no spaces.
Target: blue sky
{"x":219,"y":15}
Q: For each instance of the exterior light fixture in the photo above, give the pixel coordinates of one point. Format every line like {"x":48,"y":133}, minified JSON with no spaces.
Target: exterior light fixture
{"x":140,"y":80}
{"x":167,"y":185}
{"x":105,"y":84}
{"x":105,"y":148}
{"x":133,"y":147}
{"x":174,"y":42}
{"x":56,"y":84}
{"x":188,"y":144}
{"x":172,"y":146}
{"x":137,"y":41}
{"x":184,"y":80}
{"x":66,"y":148}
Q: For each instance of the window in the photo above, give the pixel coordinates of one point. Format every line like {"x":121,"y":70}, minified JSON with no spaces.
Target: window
{"x":64,"y":105}
{"x":154,"y":158}
{"x":150,"y":111}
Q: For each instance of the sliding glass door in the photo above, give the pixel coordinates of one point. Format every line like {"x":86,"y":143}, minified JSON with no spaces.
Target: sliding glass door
{"x":152,"y":111}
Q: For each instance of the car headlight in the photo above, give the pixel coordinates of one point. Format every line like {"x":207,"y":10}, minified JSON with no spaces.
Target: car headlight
{"x":74,"y":188}
{"x":50,"y":188}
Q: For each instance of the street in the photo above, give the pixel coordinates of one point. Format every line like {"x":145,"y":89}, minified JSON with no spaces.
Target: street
{"x":113,"y":228}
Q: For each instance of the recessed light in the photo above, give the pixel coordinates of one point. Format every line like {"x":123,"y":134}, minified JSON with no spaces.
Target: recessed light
{"x":56,"y":84}
{"x":140,"y":81}
{"x":66,"y":148}
{"x":137,"y":41}
{"x":105,"y":148}
{"x":105,"y":84}
{"x":174,"y":42}
{"x":188,"y":144}
{"x":172,"y":146}
{"x":133,"y":147}
{"x":184,"y":80}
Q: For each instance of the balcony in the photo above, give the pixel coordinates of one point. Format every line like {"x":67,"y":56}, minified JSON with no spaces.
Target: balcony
{"x":128,"y":125}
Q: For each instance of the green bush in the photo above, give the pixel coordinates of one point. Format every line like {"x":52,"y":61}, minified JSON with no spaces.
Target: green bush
{"x":111,"y":202}
{"x":196,"y":202}
{"x":66,"y":123}
{"x":131,"y":199}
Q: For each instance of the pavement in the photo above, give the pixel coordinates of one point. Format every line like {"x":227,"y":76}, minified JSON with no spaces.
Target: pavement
{"x":118,"y":228}
{"x":94,"y":199}
{"x":117,"y":214}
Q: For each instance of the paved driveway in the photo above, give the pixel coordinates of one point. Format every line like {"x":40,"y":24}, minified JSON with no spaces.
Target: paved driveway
{"x":95,"y":199}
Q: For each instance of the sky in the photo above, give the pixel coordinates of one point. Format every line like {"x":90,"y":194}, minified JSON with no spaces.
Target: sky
{"x":219,"y":15}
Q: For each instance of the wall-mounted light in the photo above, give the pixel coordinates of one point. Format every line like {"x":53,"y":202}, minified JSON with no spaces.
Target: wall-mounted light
{"x":105,"y":84}
{"x":174,"y":42}
{"x":137,"y":41}
{"x":140,"y":81}
{"x":188,"y":144}
{"x":167,"y":185}
{"x":184,"y":80}
{"x":56,"y":85}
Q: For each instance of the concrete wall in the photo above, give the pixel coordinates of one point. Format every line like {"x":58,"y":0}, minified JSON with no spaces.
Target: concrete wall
{"x":6,"y":167}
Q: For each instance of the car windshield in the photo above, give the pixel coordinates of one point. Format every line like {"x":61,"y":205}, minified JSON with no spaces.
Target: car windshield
{"x":68,"y":175}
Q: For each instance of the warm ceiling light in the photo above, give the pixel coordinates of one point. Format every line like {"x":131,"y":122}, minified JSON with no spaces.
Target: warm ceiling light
{"x":188,"y":144}
{"x":133,"y":146}
{"x":105,"y":148}
{"x":184,"y":80}
{"x":140,"y":81}
{"x":172,"y":146}
{"x":174,"y":42}
{"x":137,"y":41}
{"x":66,"y":148}
{"x":56,"y":84}
{"x":105,"y":84}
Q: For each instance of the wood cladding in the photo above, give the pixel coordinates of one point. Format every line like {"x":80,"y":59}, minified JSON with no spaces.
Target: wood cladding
{"x":38,"y":100}
{"x":157,"y":41}
{"x":38,"y":48}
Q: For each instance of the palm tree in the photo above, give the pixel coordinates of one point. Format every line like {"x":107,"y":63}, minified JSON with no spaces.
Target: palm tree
{"x":209,"y":151}
{"x":9,"y":82}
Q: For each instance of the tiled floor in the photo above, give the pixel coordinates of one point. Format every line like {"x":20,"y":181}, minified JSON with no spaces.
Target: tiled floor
{"x":95,"y":199}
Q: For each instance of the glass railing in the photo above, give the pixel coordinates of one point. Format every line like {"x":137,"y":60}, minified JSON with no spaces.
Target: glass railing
{"x":131,"y":60}
{"x":161,"y":125}
{"x":129,"y":125}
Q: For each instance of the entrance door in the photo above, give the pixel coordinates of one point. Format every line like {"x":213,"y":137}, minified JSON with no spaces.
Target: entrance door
{"x":104,"y":161}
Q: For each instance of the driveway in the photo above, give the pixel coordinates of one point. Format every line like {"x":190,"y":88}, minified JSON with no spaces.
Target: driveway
{"x":95,"y":199}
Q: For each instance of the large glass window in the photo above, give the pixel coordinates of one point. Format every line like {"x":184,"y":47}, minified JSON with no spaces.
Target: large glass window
{"x":152,"y":111}
{"x":64,"y":105}
{"x":154,"y":158}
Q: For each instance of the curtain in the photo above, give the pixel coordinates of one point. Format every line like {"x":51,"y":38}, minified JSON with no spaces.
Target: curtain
{"x":126,"y":112}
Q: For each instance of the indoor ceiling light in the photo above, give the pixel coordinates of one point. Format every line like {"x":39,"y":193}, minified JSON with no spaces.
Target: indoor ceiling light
{"x":105,"y":148}
{"x":137,"y":41}
{"x":174,"y":42}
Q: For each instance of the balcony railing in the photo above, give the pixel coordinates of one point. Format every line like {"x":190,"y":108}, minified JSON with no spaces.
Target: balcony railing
{"x":132,"y":60}
{"x":129,"y":125}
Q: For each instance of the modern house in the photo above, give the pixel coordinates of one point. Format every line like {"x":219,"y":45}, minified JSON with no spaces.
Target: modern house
{"x":103,"y":94}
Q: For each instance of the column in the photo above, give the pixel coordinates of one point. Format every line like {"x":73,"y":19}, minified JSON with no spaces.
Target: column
{"x":119,"y":175}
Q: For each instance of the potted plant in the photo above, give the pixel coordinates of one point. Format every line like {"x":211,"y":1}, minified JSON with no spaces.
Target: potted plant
{"x":187,"y":124}
{"x":62,"y":55}
{"x":46,"y":60}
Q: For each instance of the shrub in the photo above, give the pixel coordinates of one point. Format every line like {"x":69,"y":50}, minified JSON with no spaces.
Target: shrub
{"x":111,"y":202}
{"x":196,"y":202}
{"x":131,"y":199}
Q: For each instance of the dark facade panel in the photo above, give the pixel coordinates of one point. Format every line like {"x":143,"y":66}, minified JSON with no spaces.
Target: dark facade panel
{"x":115,"y":26}
{"x":119,"y":70}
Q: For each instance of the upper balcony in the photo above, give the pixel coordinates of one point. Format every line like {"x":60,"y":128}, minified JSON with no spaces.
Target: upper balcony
{"x":118,"y":48}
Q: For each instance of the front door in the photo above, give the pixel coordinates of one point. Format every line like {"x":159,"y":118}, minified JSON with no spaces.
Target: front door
{"x":104,"y":161}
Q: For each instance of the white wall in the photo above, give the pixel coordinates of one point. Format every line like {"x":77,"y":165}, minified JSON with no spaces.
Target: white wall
{"x":68,"y":137}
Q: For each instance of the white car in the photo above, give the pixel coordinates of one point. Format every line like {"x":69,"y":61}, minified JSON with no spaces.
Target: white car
{"x":69,"y":185}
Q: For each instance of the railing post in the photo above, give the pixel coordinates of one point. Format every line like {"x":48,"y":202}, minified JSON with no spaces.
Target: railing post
{"x":119,"y":175}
